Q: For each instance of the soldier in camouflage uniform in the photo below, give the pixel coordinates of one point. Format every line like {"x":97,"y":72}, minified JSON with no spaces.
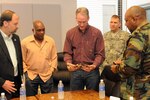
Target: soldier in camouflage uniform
{"x":135,"y":67}
{"x":115,"y":43}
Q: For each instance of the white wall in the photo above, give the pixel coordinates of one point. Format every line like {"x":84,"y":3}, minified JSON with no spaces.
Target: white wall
{"x":128,"y":4}
{"x":136,"y":2}
{"x":68,"y":8}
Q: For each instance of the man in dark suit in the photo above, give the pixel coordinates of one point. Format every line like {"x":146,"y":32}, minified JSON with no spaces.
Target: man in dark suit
{"x":11,"y":68}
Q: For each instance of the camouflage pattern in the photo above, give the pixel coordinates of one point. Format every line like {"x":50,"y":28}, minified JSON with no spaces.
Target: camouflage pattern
{"x":115,"y":44}
{"x":136,"y":65}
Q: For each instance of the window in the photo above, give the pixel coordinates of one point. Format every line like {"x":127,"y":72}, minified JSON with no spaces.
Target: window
{"x":147,"y":8}
{"x":97,"y":10}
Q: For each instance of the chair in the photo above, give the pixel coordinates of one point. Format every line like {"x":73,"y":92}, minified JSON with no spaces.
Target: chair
{"x":61,"y":73}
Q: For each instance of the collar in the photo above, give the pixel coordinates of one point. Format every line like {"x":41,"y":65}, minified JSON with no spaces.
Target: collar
{"x":32,"y":39}
{"x":87,"y":27}
{"x":142,"y":24}
{"x":116,"y":31}
{"x":5,"y":36}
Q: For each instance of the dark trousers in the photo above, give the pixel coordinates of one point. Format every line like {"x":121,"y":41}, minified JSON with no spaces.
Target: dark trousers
{"x":32,"y":85}
{"x":80,"y":78}
{"x":112,"y":82}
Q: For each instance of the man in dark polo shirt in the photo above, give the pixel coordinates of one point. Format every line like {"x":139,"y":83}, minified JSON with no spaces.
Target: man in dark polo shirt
{"x":84,"y":52}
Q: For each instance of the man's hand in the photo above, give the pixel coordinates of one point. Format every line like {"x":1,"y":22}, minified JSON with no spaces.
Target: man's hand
{"x":113,"y":68}
{"x":115,"y":64}
{"x":72,"y":67}
{"x":88,"y":68}
{"x":9,"y":86}
{"x":118,"y":62}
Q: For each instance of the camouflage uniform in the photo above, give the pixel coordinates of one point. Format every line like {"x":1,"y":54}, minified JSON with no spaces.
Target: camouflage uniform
{"x":136,"y":64}
{"x":115,"y":44}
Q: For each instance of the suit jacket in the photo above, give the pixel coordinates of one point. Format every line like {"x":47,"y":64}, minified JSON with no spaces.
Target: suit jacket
{"x":6,"y":65}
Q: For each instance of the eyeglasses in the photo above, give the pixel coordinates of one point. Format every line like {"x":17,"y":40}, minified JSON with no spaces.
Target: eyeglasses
{"x":39,"y":30}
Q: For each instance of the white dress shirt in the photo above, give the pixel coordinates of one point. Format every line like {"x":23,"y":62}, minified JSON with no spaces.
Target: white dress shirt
{"x":12,"y":51}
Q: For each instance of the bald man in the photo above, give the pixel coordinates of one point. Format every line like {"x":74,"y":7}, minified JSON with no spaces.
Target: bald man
{"x":135,"y":67}
{"x":39,"y":60}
